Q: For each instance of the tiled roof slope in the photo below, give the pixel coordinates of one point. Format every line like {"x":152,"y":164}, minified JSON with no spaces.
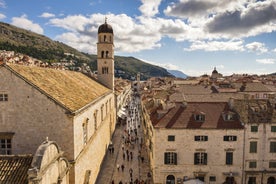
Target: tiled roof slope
{"x":72,"y":90}
{"x":14,"y":169}
{"x":183,"y":117}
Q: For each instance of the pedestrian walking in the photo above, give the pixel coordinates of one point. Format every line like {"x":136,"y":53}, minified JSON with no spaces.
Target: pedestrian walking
{"x":124,"y":155}
{"x":142,"y":159}
{"x":118,"y":167}
{"x":122,"y":167}
{"x":112,"y":150}
{"x":130,"y":172}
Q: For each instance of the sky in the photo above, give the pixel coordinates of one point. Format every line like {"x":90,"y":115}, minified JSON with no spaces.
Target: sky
{"x":193,"y":36}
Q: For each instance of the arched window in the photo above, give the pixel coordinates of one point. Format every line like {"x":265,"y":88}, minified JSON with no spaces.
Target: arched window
{"x":85,"y":131}
{"x":104,"y":38}
{"x":104,"y":70}
{"x":271,"y":180}
{"x":170,"y":179}
{"x":102,"y":54}
{"x":106,"y":54}
{"x":102,"y":109}
{"x":95,"y":120}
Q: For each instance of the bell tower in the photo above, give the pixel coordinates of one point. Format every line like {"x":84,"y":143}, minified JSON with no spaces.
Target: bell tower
{"x":105,"y":55}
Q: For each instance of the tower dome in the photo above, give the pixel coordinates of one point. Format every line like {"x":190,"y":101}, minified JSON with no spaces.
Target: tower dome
{"x":105,"y":28}
{"x":215,"y":71}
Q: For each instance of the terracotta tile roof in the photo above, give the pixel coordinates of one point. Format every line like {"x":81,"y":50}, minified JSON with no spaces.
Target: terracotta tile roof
{"x":182,"y":116}
{"x":14,"y":169}
{"x":252,"y":87}
{"x":72,"y":90}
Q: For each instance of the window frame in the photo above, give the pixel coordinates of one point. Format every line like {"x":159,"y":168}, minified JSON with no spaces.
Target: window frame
{"x":201,"y":138}
{"x":272,"y":147}
{"x":4,"y":97}
{"x":272,"y":164}
{"x":230,"y":138}
{"x":254,"y":128}
{"x":273,"y":128}
{"x":253,"y":147}
{"x":200,"y":158}
{"x":171,"y":138}
{"x":170,"y":158}
{"x":252,"y":164}
{"x":229,"y":158}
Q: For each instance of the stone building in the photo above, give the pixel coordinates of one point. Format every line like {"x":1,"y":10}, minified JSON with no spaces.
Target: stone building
{"x":195,"y":140}
{"x":46,"y":166}
{"x":76,"y":111}
{"x":259,"y":117}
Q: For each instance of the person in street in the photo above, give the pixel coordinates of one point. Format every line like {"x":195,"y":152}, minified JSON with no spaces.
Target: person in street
{"x":118,"y":167}
{"x":122,"y":167}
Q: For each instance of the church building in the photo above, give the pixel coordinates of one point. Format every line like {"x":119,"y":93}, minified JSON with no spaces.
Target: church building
{"x":76,"y":111}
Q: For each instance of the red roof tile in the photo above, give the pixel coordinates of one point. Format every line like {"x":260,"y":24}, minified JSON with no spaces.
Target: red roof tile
{"x":183,"y":117}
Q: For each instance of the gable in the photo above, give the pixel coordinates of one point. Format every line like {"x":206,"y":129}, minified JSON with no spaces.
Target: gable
{"x":71,"y":90}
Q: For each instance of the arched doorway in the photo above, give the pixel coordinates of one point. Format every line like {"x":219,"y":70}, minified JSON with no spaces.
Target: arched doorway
{"x":271,"y":180}
{"x":230,"y":180}
{"x":170,"y":179}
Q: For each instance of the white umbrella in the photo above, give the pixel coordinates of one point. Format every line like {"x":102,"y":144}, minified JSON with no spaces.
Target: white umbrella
{"x":193,"y":181}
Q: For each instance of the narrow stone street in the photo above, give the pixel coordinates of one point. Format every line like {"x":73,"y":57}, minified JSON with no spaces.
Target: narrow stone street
{"x":126,"y":160}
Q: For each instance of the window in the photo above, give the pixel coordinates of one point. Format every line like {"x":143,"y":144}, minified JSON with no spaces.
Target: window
{"x":253,"y":147}
{"x":273,"y":128}
{"x":201,"y":138}
{"x":229,"y":116}
{"x":272,"y":147}
{"x":170,"y":158}
{"x":229,"y":138}
{"x":200,"y":117}
{"x":252,"y":180}
{"x":102,"y":54}
{"x":95,"y":120}
{"x":200,"y":158}
{"x":84,"y":130}
{"x":254,"y":128}
{"x":171,"y":137}
{"x":252,"y":164}
{"x":229,"y":158}
{"x":272,"y":164}
{"x":5,"y":146}
{"x":104,"y":70}
{"x":102,"y":108}
{"x":212,"y":178}
{"x":3,"y":97}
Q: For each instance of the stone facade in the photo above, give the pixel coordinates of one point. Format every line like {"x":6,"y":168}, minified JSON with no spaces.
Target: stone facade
{"x":48,"y":165}
{"x":31,"y":116}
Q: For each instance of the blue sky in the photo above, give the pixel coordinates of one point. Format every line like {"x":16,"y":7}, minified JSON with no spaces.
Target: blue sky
{"x":194,"y":36}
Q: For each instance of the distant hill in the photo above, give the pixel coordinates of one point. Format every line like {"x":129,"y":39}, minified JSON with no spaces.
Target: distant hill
{"x":41,"y":47}
{"x":178,"y":74}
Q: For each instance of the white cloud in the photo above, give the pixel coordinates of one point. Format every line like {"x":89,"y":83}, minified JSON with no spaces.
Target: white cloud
{"x":205,"y":30}
{"x":2,"y":16}
{"x":149,"y":8}
{"x":256,"y":47}
{"x":266,"y":61}
{"x":25,"y":23}
{"x":47,"y":15}
{"x":216,"y":46}
{"x":2,"y":4}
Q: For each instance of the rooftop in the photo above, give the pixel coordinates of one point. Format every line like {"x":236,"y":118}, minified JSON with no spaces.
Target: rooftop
{"x":183,"y":116}
{"x":14,"y":169}
{"x":72,"y":90}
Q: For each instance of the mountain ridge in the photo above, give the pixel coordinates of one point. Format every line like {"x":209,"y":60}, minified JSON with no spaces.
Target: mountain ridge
{"x":38,"y":46}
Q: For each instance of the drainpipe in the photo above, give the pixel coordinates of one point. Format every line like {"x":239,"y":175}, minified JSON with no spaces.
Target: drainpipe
{"x":243,"y":155}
